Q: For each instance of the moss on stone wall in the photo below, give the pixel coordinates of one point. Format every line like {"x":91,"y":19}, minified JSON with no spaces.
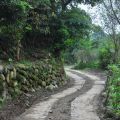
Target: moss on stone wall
{"x":20,"y":78}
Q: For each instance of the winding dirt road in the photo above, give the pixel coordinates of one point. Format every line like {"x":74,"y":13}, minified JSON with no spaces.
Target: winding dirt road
{"x":80,"y":102}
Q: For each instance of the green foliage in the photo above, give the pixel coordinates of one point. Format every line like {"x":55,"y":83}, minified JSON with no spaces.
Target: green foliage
{"x":91,"y":65}
{"x":63,"y":32}
{"x":78,"y":23}
{"x":113,"y":89}
{"x":105,"y":57}
{"x":12,"y":23}
{"x":41,"y":23}
{"x":13,"y":11}
{"x":26,"y":62}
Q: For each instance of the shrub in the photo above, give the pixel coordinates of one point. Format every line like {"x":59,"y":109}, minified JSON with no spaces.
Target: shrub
{"x":113,"y":89}
{"x":105,"y":56}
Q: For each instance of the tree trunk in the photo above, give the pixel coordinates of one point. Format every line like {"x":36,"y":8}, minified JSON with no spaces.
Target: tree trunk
{"x":18,"y":50}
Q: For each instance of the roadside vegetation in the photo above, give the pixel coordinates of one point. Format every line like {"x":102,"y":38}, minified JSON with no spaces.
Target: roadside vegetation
{"x":113,"y":91}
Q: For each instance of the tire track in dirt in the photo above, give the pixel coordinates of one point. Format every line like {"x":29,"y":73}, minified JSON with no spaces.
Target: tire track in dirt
{"x":40,"y":110}
{"x":62,"y":109}
{"x":78,"y":102}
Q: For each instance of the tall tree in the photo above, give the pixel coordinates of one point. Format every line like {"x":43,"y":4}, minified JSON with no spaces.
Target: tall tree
{"x":112,"y":22}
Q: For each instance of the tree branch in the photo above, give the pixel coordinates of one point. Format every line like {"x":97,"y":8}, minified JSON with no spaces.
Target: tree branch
{"x":65,"y":3}
{"x":108,"y":11}
{"x":118,"y":20}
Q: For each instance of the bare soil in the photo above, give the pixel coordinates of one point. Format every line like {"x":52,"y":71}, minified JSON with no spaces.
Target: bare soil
{"x":62,"y":109}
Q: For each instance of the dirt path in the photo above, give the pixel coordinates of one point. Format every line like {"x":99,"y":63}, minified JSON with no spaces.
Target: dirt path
{"x":85,"y":106}
{"x":76,"y":103}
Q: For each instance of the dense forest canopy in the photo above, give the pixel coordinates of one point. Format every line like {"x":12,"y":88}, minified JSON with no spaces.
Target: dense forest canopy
{"x":37,"y":23}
